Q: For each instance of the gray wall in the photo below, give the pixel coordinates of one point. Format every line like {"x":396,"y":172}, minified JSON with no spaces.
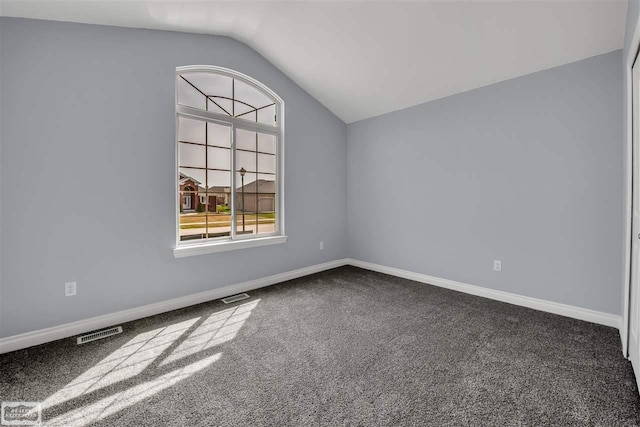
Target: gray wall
{"x":527,"y":171}
{"x":88,"y":172}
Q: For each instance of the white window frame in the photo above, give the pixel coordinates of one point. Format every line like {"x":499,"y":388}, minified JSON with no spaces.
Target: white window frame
{"x":219,"y":244}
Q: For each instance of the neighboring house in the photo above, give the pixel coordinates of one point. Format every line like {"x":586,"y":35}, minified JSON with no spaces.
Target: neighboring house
{"x":260,"y":194}
{"x":219,"y":196}
{"x":188,"y":197}
{"x":193,"y":196}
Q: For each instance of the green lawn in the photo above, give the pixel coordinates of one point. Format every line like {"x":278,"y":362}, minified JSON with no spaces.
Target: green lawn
{"x":199,"y":220}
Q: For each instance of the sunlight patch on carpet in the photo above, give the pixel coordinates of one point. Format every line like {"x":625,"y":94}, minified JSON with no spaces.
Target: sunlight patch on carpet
{"x":152,"y":353}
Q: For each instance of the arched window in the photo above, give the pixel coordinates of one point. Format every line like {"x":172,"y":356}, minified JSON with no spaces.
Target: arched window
{"x":229,"y":146}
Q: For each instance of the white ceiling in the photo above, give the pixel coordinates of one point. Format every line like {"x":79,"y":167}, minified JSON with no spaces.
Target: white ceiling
{"x":365,"y":58}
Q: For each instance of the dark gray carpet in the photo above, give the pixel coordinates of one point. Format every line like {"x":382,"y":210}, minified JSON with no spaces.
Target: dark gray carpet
{"x":343,"y":347}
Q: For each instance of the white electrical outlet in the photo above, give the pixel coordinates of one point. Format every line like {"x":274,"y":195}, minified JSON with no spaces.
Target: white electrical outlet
{"x":321,"y":245}
{"x":70,"y":289}
{"x":497,"y":265}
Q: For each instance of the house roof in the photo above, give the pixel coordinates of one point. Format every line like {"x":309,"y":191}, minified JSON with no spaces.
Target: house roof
{"x":219,"y":189}
{"x":214,"y":189}
{"x":263,"y":186}
{"x":184,"y":178}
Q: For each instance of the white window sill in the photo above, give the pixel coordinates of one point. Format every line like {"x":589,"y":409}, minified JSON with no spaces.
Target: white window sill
{"x":227,"y":245}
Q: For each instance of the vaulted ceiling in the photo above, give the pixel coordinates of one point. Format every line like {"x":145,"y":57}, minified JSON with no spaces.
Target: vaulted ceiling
{"x":365,"y":58}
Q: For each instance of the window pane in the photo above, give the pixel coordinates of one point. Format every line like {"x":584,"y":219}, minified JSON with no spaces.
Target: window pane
{"x":204,"y":180}
{"x":215,"y":108}
{"x":210,"y":83}
{"x":267,"y":183}
{"x":245,"y":222}
{"x":219,"y":200}
{"x":246,"y":160}
{"x":245,"y":139}
{"x":219,"y":135}
{"x":189,"y":96}
{"x":191,"y":155}
{"x":244,"y":111}
{"x":200,"y":90}
{"x":266,"y":163}
{"x":224,"y":95}
{"x":219,"y":217}
{"x":219,"y":181}
{"x":266,"y":143}
{"x":250,"y":95}
{"x":223,"y":104}
{"x":256,"y":204}
{"x":190,"y":130}
{"x":245,"y":203}
{"x":192,"y":177}
{"x":267,"y":115}
{"x":219,"y":225}
{"x":267,"y":215}
{"x":252,"y":99}
{"x":266,"y":203}
{"x":249,"y":116}
{"x":218,"y":158}
{"x":192,"y":223}
{"x":246,"y":188}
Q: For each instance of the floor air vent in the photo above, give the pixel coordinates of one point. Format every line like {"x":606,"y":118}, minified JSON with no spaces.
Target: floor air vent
{"x":234,"y":298}
{"x":99,"y":335}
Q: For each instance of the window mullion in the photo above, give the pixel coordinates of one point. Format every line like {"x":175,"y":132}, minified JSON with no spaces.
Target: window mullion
{"x":220,"y":118}
{"x":232,"y":190}
{"x":206,"y":172}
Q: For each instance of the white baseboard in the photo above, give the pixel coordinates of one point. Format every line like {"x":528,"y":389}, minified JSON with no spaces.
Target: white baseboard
{"x":42,"y":336}
{"x":535,"y":303}
{"x":29,"y":339}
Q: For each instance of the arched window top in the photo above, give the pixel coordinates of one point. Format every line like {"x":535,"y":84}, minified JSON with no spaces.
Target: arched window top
{"x":228,"y":93}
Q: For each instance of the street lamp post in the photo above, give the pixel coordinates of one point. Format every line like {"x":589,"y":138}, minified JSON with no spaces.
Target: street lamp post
{"x":242,"y":172}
